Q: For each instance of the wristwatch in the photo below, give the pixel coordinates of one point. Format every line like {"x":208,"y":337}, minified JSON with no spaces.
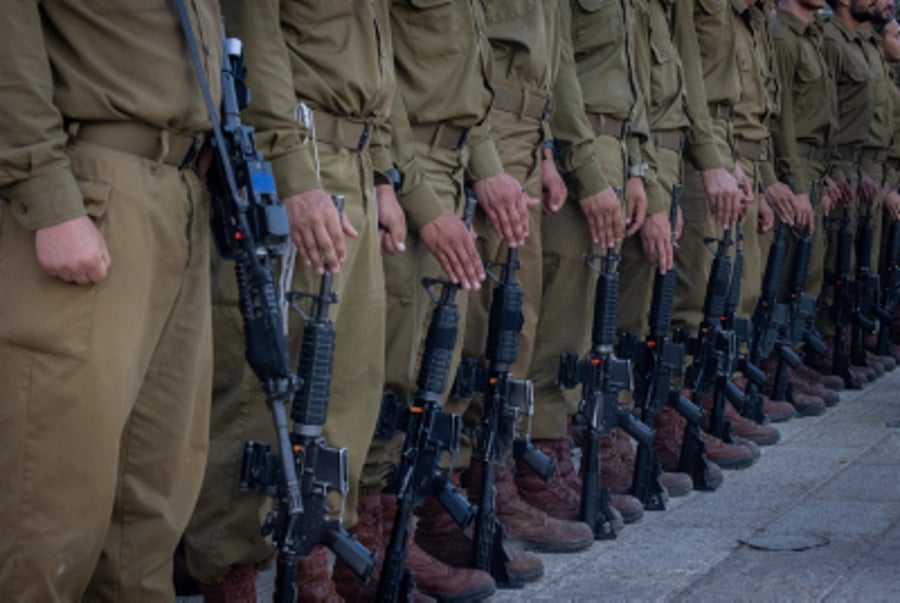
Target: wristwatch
{"x":638,"y":169}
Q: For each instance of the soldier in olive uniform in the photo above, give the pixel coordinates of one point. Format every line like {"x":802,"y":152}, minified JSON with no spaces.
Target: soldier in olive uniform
{"x":105,"y":333}
{"x":290,"y":56}
{"x":435,"y":47}
{"x":532,"y":60}
{"x":803,"y":136}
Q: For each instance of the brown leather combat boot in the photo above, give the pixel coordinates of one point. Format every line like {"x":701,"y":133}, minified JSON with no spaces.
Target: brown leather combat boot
{"x":669,"y":428}
{"x":812,"y":387}
{"x":433,"y":577}
{"x":778,"y":411}
{"x":762,"y":435}
{"x":557,"y":497}
{"x":534,"y":528}
{"x":439,"y":536}
{"x":238,"y":586}
{"x":314,"y":584}
{"x":832,"y":382}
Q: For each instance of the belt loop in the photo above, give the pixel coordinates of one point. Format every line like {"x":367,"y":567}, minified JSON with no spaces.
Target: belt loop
{"x":523,"y":103}
{"x":163,"y":146}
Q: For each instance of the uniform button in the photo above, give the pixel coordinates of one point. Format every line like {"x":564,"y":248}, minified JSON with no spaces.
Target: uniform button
{"x":154,"y":169}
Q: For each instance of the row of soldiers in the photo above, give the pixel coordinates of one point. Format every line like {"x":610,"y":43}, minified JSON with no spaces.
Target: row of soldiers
{"x":573,"y":123}
{"x":606,"y":128}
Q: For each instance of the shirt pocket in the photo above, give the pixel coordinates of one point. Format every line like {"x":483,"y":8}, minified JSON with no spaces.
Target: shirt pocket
{"x":503,"y":10}
{"x":710,"y":21}
{"x":596,"y":24}
{"x":664,"y":68}
{"x":433,"y":28}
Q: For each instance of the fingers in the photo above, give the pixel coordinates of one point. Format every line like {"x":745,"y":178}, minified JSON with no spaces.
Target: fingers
{"x":636,"y":219}
{"x":666,"y":255}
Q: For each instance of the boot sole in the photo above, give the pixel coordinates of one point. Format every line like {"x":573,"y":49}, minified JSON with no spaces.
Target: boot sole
{"x":542,"y":546}
{"x":781,"y":417}
{"x":735,"y":464}
{"x":810,"y":411}
{"x":476,"y":594}
{"x":528,"y":576}
{"x":763,"y":440}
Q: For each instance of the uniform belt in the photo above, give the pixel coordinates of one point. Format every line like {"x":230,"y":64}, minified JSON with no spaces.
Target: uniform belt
{"x":608,"y":126}
{"x":721,"y":110}
{"x":812,"y":152}
{"x":140,"y":139}
{"x":441,"y":135}
{"x":754,"y":151}
{"x":519,"y":100}
{"x":873,"y":154}
{"x":848,"y":153}
{"x":671,"y":140}
{"x":342,"y":132}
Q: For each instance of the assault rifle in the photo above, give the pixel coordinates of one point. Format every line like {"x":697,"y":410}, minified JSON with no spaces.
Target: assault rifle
{"x":429,"y":432}
{"x":655,"y":361}
{"x":250,"y":227}
{"x":297,"y":525}
{"x":890,"y":288}
{"x":771,"y":318}
{"x":740,"y":326}
{"x":505,"y":401}
{"x":866,"y":290}
{"x":602,"y":376}
{"x":715,"y":349}
{"x":801,"y":313}
{"x":843,"y":302}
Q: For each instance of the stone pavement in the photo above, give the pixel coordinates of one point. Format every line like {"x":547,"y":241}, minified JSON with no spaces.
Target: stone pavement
{"x":816,"y":519}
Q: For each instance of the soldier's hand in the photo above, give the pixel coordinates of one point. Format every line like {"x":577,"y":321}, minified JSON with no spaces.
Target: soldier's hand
{"x":804,"y":216}
{"x":552,"y":185}
{"x":766,"y":219}
{"x":448,"y":240}
{"x":724,"y":196}
{"x":892,"y":203}
{"x":679,"y":224}
{"x":506,"y":205}
{"x":317,"y":230}
{"x":73,"y":251}
{"x":635,"y":204}
{"x":744,"y":184}
{"x":868,"y":189}
{"x":843,"y":191}
{"x":828,"y":202}
{"x":603,"y":212}
{"x":780,"y":198}
{"x":656,"y":237}
{"x":391,"y":220}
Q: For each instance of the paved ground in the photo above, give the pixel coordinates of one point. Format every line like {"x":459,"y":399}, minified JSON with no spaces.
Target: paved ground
{"x":816,"y":519}
{"x":830,"y":489}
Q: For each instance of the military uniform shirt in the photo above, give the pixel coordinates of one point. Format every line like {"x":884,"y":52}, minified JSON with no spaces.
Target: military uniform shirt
{"x":881,"y":126}
{"x":437,"y":48}
{"x":807,"y":109}
{"x":702,"y":146}
{"x":603,"y":41}
{"x":44,"y":85}
{"x":531,"y":52}
{"x":758,"y":84}
{"x":847,"y":61}
{"x":335,"y":56}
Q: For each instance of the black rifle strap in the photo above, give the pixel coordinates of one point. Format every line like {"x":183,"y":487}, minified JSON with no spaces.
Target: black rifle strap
{"x":211,"y":110}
